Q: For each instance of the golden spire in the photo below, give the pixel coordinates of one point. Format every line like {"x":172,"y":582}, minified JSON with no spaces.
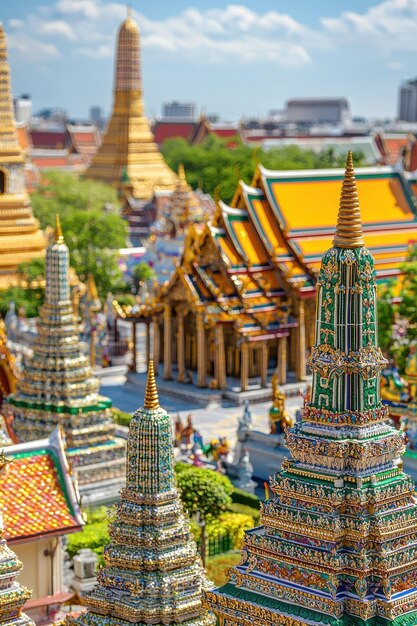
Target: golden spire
{"x":181,"y":172}
{"x":151,"y":394}
{"x":349,"y":225}
{"x":59,"y":237}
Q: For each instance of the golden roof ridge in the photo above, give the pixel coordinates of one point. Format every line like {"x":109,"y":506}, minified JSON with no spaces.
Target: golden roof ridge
{"x":349,"y":233}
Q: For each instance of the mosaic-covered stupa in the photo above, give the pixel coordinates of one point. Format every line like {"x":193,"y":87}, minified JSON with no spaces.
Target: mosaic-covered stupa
{"x":12,"y":595}
{"x":152,"y":573}
{"x":338,"y":543}
{"x":57,"y":386}
{"x":20,"y":237}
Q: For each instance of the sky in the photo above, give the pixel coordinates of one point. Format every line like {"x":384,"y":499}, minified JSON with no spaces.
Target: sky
{"x":235,"y":59}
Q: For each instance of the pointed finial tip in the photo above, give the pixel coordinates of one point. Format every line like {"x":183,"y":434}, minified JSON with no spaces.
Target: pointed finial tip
{"x":181,"y":171}
{"x":349,"y":232}
{"x":59,"y":237}
{"x":151,"y":393}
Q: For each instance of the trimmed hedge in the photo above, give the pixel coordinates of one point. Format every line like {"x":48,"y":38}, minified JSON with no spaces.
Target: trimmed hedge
{"x":241,"y":497}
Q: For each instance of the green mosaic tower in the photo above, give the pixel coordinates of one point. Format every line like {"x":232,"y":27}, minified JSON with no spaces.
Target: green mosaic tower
{"x":152,"y":573}
{"x":338,"y":545}
{"x":57,"y":387}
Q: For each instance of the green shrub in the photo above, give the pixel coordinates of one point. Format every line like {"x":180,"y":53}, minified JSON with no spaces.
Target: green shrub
{"x":241,"y":497}
{"x":203,"y":490}
{"x":246,"y":510}
{"x":232,"y":524}
{"x":121,"y":417}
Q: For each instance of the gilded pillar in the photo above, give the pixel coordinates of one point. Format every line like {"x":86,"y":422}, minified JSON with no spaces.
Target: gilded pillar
{"x":156,"y":343}
{"x":220,"y":356}
{"x":167,"y":343}
{"x":134,"y":366}
{"x":180,"y":345}
{"x":301,"y":343}
{"x":244,"y":366}
{"x":148,"y":342}
{"x":264,"y":363}
{"x":282,"y":360}
{"x":201,"y":350}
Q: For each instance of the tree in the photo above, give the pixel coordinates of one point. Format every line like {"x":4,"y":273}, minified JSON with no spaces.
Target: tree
{"x":204,"y":490}
{"x":385,"y":309}
{"x":64,"y":192}
{"x":92,"y":228}
{"x":214,"y":164}
{"x":142,"y":273}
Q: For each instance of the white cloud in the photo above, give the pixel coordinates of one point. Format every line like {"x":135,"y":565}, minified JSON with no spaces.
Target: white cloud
{"x":390,"y":25}
{"x":30,"y":49}
{"x":233,"y":32}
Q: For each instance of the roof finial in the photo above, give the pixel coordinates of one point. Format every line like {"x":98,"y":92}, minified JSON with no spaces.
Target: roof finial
{"x":151,"y":394}
{"x":349,"y":225}
{"x":128,"y":11}
{"x":181,"y":172}
{"x":59,"y":237}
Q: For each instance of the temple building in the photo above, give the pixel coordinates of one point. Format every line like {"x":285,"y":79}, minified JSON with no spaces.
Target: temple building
{"x":152,"y":573}
{"x":36,"y":524}
{"x":12,"y":595}
{"x":242,"y":299}
{"x":20,"y":237}
{"x":57,"y":387}
{"x":129,"y":158}
{"x":338,"y":538}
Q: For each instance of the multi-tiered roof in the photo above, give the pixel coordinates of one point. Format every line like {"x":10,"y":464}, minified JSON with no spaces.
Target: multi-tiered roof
{"x":12,"y":595}
{"x":57,"y":386}
{"x":152,"y":574}
{"x":338,"y":544}
{"x":129,"y":158}
{"x":20,"y":237}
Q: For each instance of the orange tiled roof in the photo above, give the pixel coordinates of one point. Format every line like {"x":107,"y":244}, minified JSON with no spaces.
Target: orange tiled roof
{"x":33,"y":497}
{"x":304,"y":206}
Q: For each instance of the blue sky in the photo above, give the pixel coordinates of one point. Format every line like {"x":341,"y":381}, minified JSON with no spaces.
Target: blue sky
{"x":237,"y":58}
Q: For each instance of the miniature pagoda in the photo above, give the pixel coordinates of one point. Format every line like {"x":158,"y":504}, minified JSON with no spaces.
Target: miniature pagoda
{"x":57,"y":387}
{"x":338,"y":543}
{"x":12,"y":595}
{"x":129,"y":158}
{"x":152,"y":574}
{"x":20,"y":237}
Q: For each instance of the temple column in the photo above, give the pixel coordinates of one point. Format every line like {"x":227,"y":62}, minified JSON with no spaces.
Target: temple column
{"x":156,"y":343}
{"x":167,"y":343}
{"x":220,"y":363}
{"x":148,"y":343}
{"x":264,"y":363}
{"x":282,"y":360}
{"x":301,"y":343}
{"x":201,"y":350}
{"x":180,"y":345}
{"x":244,"y":366}
{"x":134,"y":365}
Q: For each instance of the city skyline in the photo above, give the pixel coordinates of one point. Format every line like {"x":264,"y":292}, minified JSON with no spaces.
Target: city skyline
{"x":235,"y":59}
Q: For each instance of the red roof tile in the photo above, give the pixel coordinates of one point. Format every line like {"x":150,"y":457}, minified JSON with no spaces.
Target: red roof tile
{"x":33,"y":497}
{"x":167,"y":130}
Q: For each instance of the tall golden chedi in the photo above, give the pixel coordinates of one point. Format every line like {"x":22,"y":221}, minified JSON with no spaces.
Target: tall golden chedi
{"x":129,"y":158}
{"x":338,"y":544}
{"x":152,"y":573}
{"x":20,"y":237}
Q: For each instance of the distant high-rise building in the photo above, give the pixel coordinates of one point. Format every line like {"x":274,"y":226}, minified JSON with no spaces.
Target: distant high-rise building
{"x":22,"y":108}
{"x":182,"y":110}
{"x":318,"y":111}
{"x":407,"y":101}
{"x":96,"y":116}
